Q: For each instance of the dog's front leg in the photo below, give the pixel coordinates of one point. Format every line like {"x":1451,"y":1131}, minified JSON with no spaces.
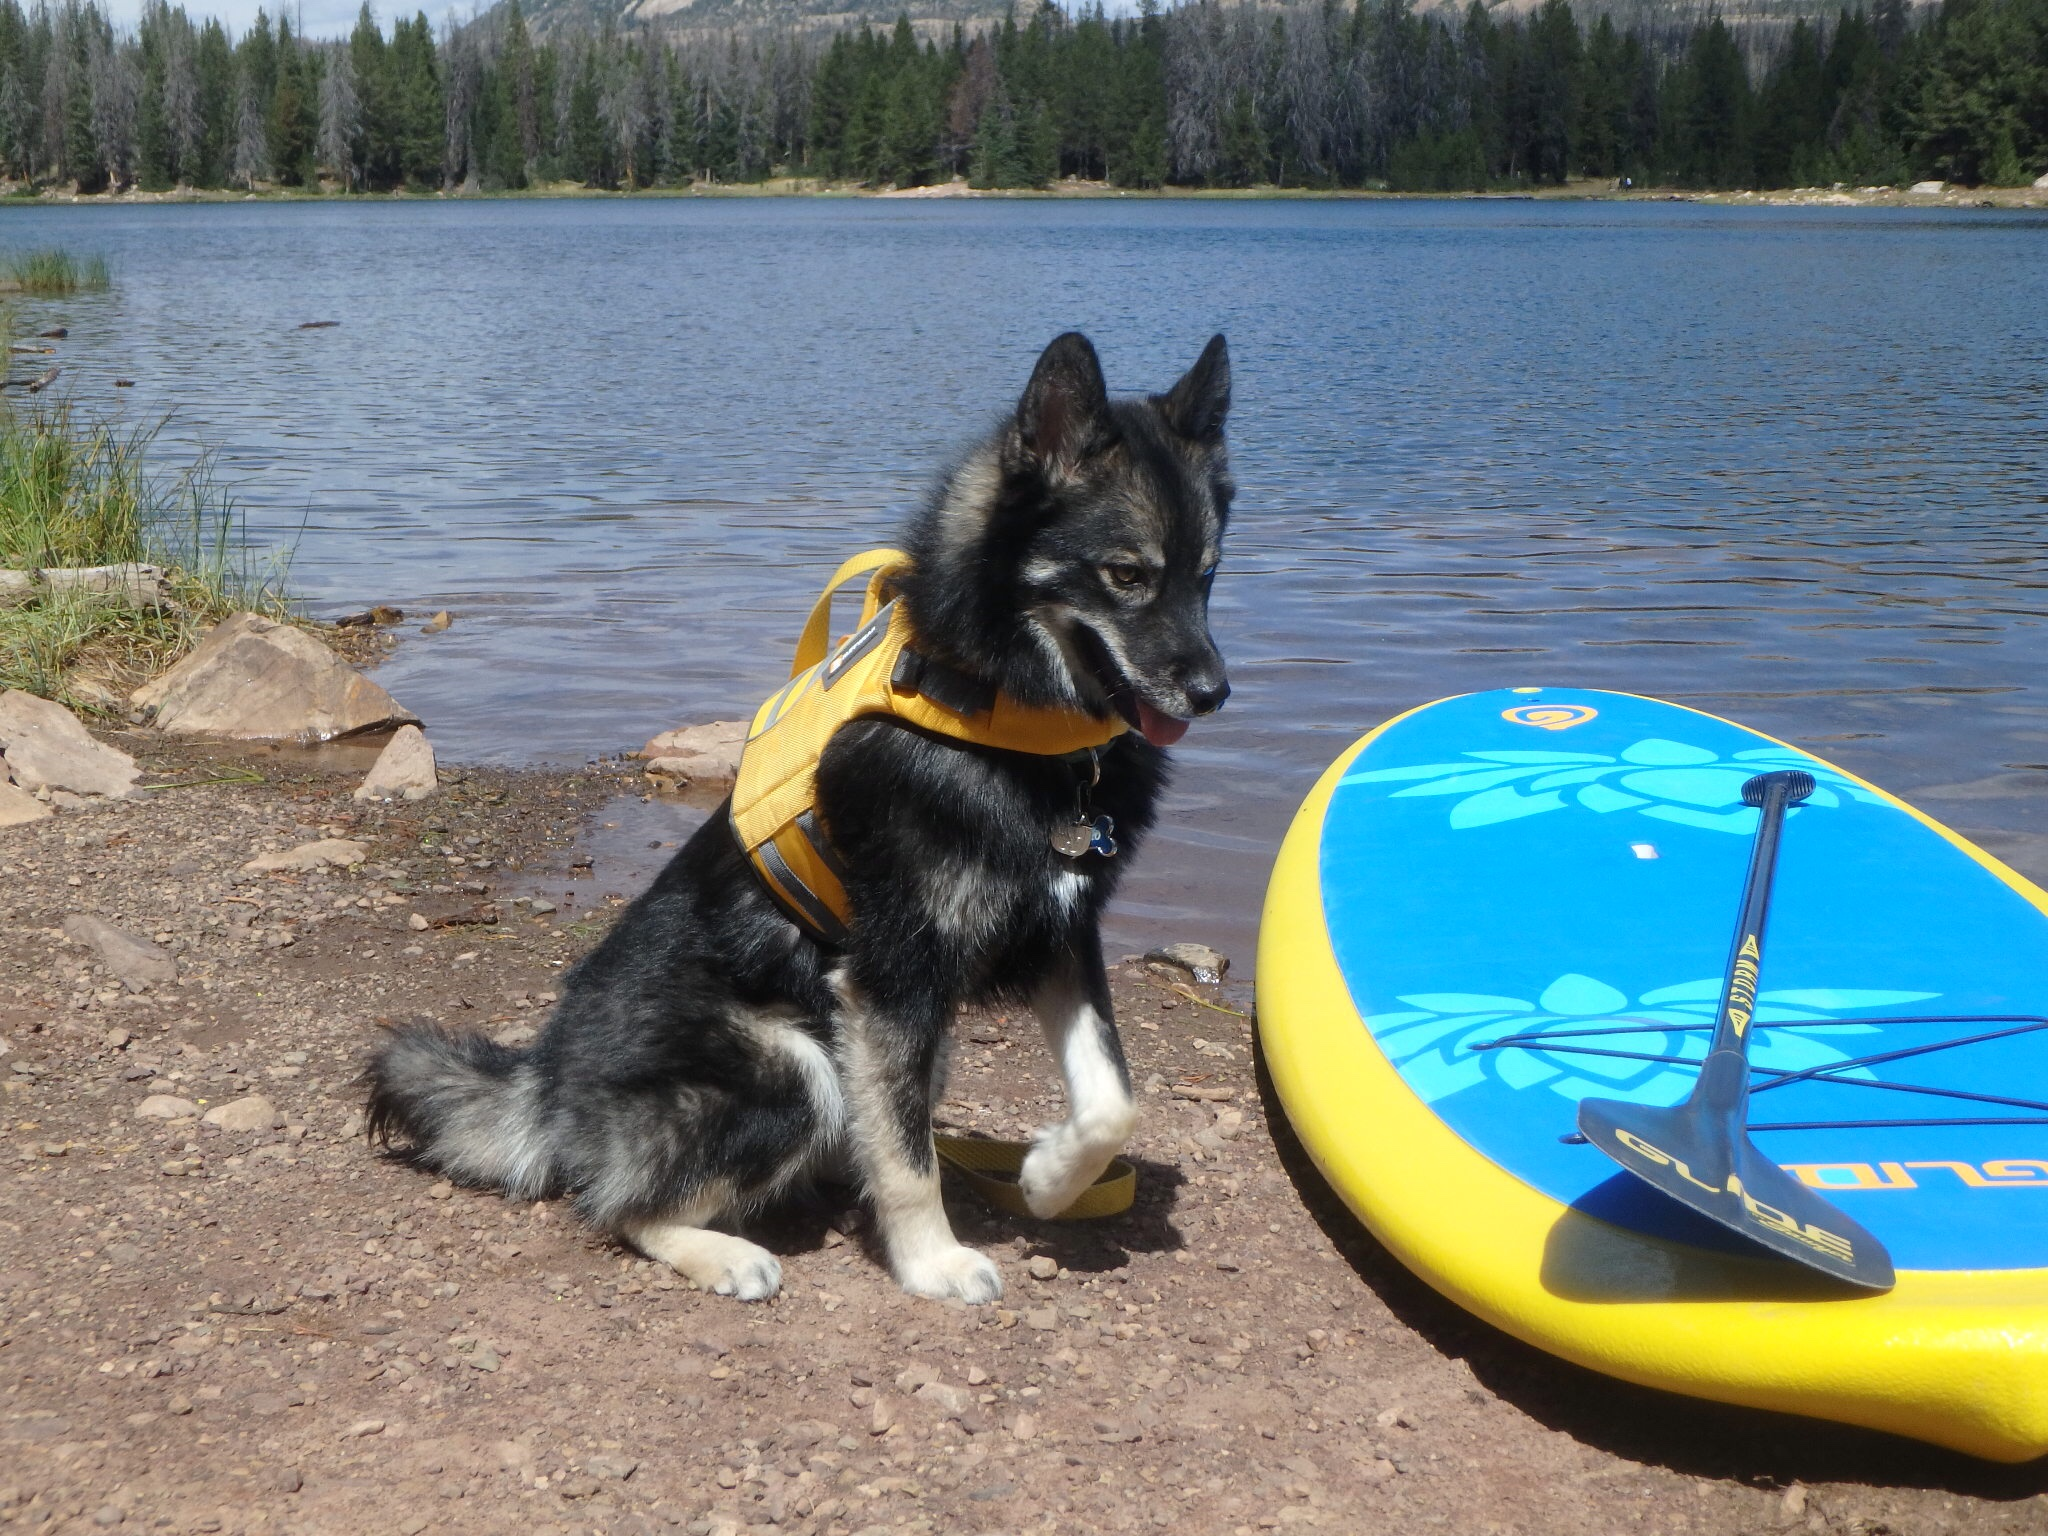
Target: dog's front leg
{"x":1074,"y":1010}
{"x":891,"y":1045}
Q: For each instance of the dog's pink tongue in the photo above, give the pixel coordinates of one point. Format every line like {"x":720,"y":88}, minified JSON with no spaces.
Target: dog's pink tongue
{"x":1160,"y":730}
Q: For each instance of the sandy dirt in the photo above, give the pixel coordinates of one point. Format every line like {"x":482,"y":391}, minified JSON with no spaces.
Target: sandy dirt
{"x":277,"y":1330}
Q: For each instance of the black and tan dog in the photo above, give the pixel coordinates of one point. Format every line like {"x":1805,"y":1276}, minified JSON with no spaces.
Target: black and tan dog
{"x":711,"y":1053}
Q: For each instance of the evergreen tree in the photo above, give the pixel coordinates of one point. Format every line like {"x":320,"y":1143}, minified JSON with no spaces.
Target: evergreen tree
{"x":341,"y":119}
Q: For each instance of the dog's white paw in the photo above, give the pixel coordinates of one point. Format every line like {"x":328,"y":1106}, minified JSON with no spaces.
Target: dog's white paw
{"x":955,"y":1271}
{"x":1058,"y":1170}
{"x":718,"y":1262}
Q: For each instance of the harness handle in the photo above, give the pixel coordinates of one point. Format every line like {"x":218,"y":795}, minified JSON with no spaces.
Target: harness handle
{"x":816,"y":639}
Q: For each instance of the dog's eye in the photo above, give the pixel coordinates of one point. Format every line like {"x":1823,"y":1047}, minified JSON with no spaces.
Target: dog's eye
{"x":1124,"y":577}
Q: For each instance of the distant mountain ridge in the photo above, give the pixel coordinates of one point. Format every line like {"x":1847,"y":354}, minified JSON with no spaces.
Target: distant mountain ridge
{"x":933,"y":16}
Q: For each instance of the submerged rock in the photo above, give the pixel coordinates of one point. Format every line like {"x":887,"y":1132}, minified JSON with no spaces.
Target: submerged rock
{"x":254,"y":679}
{"x":404,"y":770}
{"x":46,"y":748}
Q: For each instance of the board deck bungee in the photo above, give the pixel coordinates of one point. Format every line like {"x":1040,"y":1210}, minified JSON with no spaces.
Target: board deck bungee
{"x":1497,"y":905}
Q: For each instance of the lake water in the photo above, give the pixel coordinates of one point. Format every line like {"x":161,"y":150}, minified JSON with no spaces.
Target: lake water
{"x":1789,"y":465}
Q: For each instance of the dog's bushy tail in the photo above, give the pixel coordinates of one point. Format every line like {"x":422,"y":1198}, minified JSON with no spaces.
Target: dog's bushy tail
{"x":462,"y":1105}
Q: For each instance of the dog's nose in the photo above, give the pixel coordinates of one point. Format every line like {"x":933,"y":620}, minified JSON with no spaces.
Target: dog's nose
{"x":1207,"y":696}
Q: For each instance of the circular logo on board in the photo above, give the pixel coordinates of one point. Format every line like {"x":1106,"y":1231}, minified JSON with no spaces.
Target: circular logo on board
{"x":1549,"y":717}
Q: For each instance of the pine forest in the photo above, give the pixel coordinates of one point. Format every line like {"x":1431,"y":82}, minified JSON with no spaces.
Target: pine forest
{"x":1372,"y":94}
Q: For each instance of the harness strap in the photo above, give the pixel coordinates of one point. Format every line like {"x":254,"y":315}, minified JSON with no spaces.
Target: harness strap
{"x":945,"y":685}
{"x":816,"y":638}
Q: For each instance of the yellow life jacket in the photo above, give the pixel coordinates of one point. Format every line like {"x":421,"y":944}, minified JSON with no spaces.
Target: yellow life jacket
{"x":878,"y":670}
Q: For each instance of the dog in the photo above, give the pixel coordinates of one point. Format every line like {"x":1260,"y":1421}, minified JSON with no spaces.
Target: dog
{"x":710,"y":1056}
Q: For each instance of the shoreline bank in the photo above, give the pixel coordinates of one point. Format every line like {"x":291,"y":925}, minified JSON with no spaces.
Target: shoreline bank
{"x":254,"y":1324}
{"x":1949,"y":196}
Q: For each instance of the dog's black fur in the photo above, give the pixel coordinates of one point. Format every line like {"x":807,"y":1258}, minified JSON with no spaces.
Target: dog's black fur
{"x":708,"y":1054}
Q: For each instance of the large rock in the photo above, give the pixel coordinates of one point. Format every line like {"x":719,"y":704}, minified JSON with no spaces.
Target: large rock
{"x":253,"y":679}
{"x":46,"y":747}
{"x":404,"y":770}
{"x":135,"y":961}
{"x":1928,"y":188}
{"x":17,"y":588}
{"x":697,"y":753}
{"x":17,"y":806}
{"x":2041,"y":183}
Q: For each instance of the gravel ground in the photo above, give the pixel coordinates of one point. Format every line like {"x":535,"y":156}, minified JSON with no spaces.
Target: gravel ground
{"x":275,"y":1330}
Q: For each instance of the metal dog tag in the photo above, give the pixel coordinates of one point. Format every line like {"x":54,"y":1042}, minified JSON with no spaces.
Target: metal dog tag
{"x":1073,"y":838}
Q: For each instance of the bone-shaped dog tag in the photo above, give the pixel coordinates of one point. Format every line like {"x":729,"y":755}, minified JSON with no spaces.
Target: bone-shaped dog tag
{"x":1073,"y":838}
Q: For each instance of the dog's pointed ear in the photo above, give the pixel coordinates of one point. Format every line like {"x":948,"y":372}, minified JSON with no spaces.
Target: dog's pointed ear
{"x":1064,"y":412}
{"x":1196,"y":406}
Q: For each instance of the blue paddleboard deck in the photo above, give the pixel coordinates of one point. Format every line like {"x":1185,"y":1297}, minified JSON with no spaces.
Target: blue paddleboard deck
{"x":1529,"y":895}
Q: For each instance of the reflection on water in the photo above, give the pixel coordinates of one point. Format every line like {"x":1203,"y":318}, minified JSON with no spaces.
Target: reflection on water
{"x":1781,"y":464}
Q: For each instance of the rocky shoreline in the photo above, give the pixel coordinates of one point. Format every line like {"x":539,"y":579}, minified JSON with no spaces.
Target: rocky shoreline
{"x":224,"y":1313}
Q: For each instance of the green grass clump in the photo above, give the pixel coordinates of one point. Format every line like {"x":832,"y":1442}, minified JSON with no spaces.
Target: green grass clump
{"x":54,"y":273}
{"x":79,"y":493}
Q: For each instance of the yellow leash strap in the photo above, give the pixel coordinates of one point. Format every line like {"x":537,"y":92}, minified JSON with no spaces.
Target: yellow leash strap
{"x":991,"y":1168}
{"x":816,"y":639}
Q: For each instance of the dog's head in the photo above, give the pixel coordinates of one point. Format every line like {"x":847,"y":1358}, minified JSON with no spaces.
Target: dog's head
{"x":1068,"y":558}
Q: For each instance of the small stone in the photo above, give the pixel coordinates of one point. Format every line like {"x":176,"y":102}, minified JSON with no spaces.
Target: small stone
{"x":542,"y":908}
{"x":882,"y":1416}
{"x":108,"y":1516}
{"x":253,"y":1113}
{"x":1043,"y":1319}
{"x":417,"y":923}
{"x":611,"y":1468}
{"x":165,"y":1106}
{"x":440,"y":1191}
{"x":485,"y":1359}
{"x":1024,"y":1426}
{"x":117,"y":1039}
{"x":281,"y":1480}
{"x":1043,"y":1268}
{"x":412,"y":1525}
{"x":437,"y":623}
{"x":1205,"y":965}
{"x":137,"y":962}
{"x":18,"y":807}
{"x":363,"y":1428}
{"x":949,"y":1400}
{"x":404,"y":770}
{"x":1795,"y":1501}
{"x":328,"y":852}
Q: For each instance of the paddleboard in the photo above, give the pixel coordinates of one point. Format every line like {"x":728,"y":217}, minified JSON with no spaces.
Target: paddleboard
{"x":1496,"y":905}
